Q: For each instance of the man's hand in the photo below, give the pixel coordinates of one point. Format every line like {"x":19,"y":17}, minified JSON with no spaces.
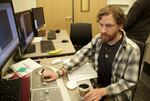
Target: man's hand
{"x":95,"y":94}
{"x":48,"y":75}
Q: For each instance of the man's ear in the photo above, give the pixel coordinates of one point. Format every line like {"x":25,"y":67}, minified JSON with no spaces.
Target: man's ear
{"x":121,"y":26}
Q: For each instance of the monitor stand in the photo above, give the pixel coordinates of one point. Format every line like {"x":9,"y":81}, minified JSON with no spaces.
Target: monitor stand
{"x":30,"y":49}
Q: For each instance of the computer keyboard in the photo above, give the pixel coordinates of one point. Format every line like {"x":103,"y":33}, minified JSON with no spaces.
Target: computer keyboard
{"x":51,"y":35}
{"x":46,"y":46}
{"x":30,"y":49}
{"x":10,"y":90}
{"x":15,"y":90}
{"x":50,"y":94}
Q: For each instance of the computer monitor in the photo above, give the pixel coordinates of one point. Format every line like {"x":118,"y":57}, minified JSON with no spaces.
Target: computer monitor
{"x":38,"y":17}
{"x":8,"y":32}
{"x":25,"y":28}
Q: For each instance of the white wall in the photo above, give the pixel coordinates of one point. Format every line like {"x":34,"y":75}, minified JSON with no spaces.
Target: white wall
{"x":131,"y":2}
{"x":124,"y":4}
{"x":21,"y":5}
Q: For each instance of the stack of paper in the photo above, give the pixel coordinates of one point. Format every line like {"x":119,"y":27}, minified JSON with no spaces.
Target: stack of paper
{"x":82,"y":73}
{"x":25,"y":67}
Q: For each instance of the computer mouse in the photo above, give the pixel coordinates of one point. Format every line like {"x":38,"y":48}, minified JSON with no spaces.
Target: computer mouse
{"x":64,"y":41}
{"x":57,"y":31}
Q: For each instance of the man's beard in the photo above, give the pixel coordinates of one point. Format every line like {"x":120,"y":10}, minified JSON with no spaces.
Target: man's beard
{"x":107,"y":38}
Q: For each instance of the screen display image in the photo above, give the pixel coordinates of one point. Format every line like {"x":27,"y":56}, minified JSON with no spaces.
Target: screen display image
{"x":8,"y":32}
{"x":28,"y":23}
{"x":6,"y":37}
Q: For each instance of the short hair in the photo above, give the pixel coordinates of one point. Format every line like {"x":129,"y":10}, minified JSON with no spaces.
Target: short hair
{"x":116,"y":12}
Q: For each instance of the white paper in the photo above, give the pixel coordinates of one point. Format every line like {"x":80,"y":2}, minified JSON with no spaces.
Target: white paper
{"x":36,"y":39}
{"x":66,"y":60}
{"x":82,"y":73}
{"x":27,"y":63}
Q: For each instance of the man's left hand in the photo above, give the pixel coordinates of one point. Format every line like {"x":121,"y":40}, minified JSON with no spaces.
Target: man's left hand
{"x":95,"y":94}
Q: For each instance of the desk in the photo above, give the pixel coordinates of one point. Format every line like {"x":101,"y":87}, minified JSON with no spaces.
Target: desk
{"x":67,"y":47}
{"x":74,"y":94}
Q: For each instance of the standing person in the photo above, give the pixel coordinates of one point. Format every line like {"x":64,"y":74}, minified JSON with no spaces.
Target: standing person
{"x":138,"y":21}
{"x":114,"y":57}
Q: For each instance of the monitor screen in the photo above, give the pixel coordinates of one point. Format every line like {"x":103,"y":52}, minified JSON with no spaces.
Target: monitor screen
{"x":8,"y":32}
{"x":38,"y":17}
{"x":25,"y":27}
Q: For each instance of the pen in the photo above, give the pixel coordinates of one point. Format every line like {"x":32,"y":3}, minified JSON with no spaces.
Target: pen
{"x":26,"y":65}
{"x":42,"y":71}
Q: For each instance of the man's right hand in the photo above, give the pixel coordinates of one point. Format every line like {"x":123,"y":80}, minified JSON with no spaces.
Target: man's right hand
{"x":48,"y":76}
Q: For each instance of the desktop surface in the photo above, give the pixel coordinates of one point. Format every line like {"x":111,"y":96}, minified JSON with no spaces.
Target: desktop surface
{"x":69,"y":50}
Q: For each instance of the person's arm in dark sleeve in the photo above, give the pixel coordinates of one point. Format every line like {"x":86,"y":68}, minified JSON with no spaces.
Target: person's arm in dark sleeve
{"x":133,"y":14}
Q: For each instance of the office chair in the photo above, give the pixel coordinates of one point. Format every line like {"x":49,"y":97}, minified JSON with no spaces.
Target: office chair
{"x":141,"y":45}
{"x":80,"y":34}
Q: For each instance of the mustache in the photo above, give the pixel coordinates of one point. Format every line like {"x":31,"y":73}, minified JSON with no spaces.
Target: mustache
{"x":104,"y":34}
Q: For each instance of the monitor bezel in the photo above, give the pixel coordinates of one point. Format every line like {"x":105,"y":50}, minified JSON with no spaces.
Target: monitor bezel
{"x":15,"y":48}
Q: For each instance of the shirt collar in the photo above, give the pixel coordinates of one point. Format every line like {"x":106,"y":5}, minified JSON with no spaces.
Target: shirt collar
{"x":124,"y":39}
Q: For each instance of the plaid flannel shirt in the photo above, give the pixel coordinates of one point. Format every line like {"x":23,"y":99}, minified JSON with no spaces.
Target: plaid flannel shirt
{"x":125,"y":67}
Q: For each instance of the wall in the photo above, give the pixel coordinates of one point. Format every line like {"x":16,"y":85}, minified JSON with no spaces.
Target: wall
{"x":124,"y":4}
{"x":21,"y":5}
{"x":95,"y":5}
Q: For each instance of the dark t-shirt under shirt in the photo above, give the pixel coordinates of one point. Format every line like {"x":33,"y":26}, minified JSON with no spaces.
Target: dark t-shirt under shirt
{"x":106,"y":57}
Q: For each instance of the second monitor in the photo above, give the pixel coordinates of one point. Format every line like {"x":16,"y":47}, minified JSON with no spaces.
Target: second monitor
{"x":38,"y":19}
{"x":26,"y":34}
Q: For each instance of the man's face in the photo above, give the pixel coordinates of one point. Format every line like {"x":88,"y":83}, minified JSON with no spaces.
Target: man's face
{"x":109,"y":28}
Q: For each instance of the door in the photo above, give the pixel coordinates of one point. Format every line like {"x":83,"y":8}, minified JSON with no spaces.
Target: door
{"x":90,"y":16}
{"x":58,"y":13}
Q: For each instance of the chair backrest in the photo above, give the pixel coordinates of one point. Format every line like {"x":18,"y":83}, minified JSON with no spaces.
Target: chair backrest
{"x":80,"y":33}
{"x":142,"y":49}
{"x":141,"y":45}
